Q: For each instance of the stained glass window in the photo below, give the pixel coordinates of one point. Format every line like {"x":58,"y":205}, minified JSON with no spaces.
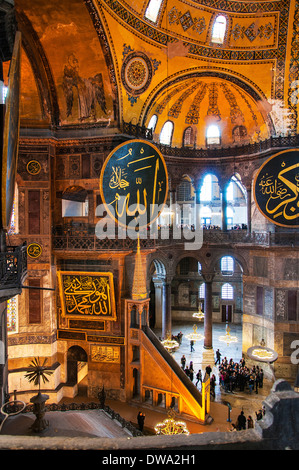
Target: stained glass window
{"x":12,"y":315}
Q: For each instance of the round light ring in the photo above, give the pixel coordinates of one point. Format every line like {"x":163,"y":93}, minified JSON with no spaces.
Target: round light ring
{"x":262,"y":354}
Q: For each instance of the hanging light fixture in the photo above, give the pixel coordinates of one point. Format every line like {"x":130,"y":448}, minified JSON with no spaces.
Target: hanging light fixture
{"x":195,"y":336}
{"x":262,"y":353}
{"x":170,"y":344}
{"x":227,"y":338}
{"x":170,"y":426}
{"x":199,"y":315}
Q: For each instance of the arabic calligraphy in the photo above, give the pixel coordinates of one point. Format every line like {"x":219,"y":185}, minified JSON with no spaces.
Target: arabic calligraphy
{"x":109,"y":354}
{"x":87,"y":294}
{"x":276,"y":188}
{"x":134,"y":183}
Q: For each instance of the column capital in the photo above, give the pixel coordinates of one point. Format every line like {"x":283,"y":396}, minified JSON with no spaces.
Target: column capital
{"x":208,"y":276}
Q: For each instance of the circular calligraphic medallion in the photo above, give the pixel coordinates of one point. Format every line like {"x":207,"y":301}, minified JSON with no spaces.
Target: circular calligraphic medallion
{"x":33,"y":167}
{"x":134,"y":184}
{"x":276,"y":188}
{"x":136,"y":73}
{"x":34,"y":250}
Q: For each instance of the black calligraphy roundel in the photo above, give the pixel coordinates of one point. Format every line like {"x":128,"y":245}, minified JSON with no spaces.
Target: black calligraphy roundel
{"x":276,"y":188}
{"x":134,"y":183}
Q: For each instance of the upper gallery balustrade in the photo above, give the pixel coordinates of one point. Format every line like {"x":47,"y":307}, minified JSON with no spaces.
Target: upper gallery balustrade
{"x":83,"y":237}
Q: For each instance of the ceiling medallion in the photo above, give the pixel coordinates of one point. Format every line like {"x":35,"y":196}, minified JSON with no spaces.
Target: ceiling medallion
{"x":136,"y":73}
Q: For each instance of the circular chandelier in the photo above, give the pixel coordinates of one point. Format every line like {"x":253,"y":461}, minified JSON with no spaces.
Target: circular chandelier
{"x":227,"y":338}
{"x":195,"y":336}
{"x":199,"y":315}
{"x":262,"y":354}
{"x":170,"y":344}
{"x":170,"y":426}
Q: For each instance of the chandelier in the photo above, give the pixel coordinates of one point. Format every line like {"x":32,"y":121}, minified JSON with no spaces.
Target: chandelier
{"x":227,"y":338}
{"x":170,"y":426}
{"x":199,"y":315}
{"x":262,"y":353}
{"x":195,"y":336}
{"x":170,"y":344}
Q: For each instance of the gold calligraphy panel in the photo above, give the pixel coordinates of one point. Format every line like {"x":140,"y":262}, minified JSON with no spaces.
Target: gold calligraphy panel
{"x":134,"y":184}
{"x":89,"y":295}
{"x":107,"y":354}
{"x":276,"y":188}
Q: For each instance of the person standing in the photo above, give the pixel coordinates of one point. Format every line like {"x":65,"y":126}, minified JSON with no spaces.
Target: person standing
{"x":241,"y":421}
{"x":140,"y":420}
{"x":192,"y":346}
{"x":218,"y":357}
{"x":250,"y":424}
{"x":198,"y":377}
{"x":208,"y":370}
{"x":183,"y":361}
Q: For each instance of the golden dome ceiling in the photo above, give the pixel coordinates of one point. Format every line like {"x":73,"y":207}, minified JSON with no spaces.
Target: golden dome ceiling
{"x":202,"y":101}
{"x":100,"y":62}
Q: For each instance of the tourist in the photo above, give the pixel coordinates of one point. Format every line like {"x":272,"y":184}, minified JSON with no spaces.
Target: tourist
{"x":241,"y":421}
{"x":198,"y":377}
{"x":140,"y":420}
{"x":183,"y":361}
{"x":192,"y":346}
{"x":250,"y":424}
{"x":218,"y":356}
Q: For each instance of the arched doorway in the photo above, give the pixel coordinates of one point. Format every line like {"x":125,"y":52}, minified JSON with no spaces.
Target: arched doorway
{"x":76,"y":365}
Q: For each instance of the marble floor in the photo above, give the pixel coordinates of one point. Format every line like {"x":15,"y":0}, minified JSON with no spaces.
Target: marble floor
{"x":249,"y":403}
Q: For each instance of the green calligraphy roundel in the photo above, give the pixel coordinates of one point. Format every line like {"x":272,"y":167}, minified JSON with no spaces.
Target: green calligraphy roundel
{"x":134,"y":184}
{"x":276,"y":188}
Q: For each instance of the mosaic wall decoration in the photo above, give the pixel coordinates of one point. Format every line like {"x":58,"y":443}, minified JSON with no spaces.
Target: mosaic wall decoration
{"x":137,"y":72}
{"x":12,"y":315}
{"x":277,"y":52}
{"x":90,"y":90}
{"x":252,"y":32}
{"x":276,"y":188}
{"x":186,"y":21}
{"x":88,"y":295}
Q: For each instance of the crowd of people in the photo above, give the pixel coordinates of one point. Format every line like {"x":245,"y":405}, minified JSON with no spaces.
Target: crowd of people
{"x":237,"y":376}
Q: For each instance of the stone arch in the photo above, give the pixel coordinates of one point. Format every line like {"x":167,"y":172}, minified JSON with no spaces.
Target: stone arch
{"x":75,"y":354}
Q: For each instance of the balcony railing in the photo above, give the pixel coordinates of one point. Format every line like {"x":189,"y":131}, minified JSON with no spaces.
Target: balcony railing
{"x":274,"y":142}
{"x":13,"y":270}
{"x":82,"y":237}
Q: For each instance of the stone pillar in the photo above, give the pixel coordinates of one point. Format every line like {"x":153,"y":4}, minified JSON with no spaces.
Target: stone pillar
{"x":166,"y":322}
{"x":224,"y":208}
{"x":159,"y":302}
{"x":248,"y":189}
{"x":208,"y":353}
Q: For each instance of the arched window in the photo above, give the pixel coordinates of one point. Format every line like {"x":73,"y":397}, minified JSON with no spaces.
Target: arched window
{"x":227,"y":264}
{"x":213,"y":135}
{"x":166,"y":133}
{"x":227,"y":292}
{"x":202,"y":291}
{"x":206,"y":189}
{"x":188,"y":138}
{"x":152,"y":11}
{"x":219,"y":29}
{"x":153,"y":122}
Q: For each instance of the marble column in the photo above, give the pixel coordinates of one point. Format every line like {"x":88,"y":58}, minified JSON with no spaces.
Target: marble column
{"x":248,"y":189}
{"x":224,"y":208}
{"x":166,"y":320}
{"x":208,"y":353}
{"x":159,"y":302}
